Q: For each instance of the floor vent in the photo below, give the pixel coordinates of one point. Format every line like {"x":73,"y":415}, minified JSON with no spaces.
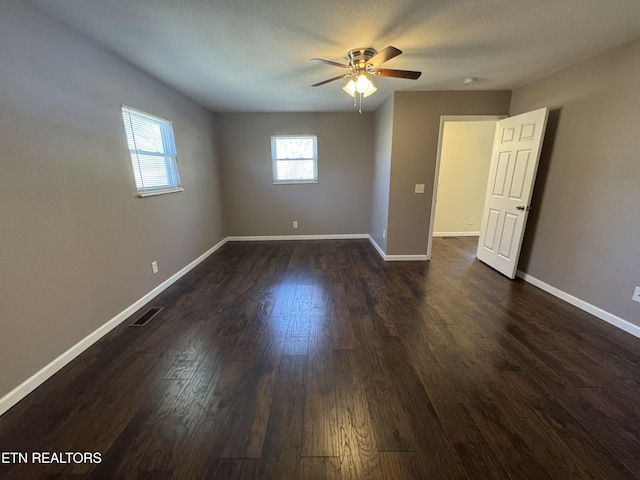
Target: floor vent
{"x":146,"y":317}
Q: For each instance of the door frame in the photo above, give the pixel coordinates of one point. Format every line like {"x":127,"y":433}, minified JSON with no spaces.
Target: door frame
{"x":444,"y":119}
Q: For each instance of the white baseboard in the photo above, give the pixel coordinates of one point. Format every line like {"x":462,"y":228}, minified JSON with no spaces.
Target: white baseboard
{"x":397,"y":258}
{"x":614,"y":320}
{"x":456,"y":234}
{"x":377,"y":247}
{"x":33,"y":382}
{"x":405,"y":258}
{"x":261,"y":238}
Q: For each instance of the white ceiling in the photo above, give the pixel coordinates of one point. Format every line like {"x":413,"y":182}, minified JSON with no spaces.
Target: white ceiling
{"x":254,"y":55}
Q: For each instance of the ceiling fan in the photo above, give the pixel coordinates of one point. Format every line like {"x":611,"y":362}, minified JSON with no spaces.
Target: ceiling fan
{"x":363,"y":63}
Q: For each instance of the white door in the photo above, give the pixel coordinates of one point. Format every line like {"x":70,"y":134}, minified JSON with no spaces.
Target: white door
{"x":514,"y":162}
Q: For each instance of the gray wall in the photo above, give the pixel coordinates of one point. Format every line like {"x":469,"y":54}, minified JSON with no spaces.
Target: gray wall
{"x":381,"y":172}
{"x":338,"y":204}
{"x":583,"y":235}
{"x":76,"y":243}
{"x":416,"y":124}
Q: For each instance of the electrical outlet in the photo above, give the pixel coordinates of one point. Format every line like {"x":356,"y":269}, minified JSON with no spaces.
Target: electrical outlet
{"x":154,"y":267}
{"x":384,"y":234}
{"x":472,"y":221}
{"x":419,"y":188}
{"x":636,"y":295}
{"x":295,"y":224}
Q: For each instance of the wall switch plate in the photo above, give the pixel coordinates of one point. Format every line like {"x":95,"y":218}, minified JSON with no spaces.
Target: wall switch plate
{"x":295,"y":224}
{"x":419,"y":188}
{"x":384,"y":234}
{"x":154,"y":267}
{"x":636,"y":295}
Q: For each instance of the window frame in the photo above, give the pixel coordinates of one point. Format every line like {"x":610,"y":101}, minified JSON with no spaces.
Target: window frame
{"x":275,"y":160}
{"x":169,"y":153}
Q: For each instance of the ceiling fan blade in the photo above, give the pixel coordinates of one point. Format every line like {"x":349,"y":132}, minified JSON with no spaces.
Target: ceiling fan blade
{"x":383,"y":56}
{"x":386,"y":72}
{"x":332,"y":79}
{"x":329,"y":62}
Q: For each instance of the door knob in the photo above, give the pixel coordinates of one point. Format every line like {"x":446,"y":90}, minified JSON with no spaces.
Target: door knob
{"x":523,"y":208}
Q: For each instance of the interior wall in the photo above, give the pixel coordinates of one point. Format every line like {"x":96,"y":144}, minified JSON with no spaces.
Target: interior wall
{"x":416,"y":127}
{"x":462,"y":182}
{"x":77,"y":244}
{"x":340,"y":203}
{"x":583,"y":231}
{"x":381,"y":173}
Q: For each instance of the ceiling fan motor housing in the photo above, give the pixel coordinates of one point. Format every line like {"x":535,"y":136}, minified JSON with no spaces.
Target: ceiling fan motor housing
{"x":359,"y":57}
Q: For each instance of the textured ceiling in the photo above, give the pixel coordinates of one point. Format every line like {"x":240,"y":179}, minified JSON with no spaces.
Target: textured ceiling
{"x":251,"y":55}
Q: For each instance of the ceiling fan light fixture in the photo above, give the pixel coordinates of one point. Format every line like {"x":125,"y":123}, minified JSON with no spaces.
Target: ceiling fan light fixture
{"x":371,"y":90}
{"x":363,"y":83}
{"x":350,"y":87}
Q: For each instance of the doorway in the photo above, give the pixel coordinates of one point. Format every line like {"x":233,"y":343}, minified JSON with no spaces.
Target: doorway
{"x":462,"y":168}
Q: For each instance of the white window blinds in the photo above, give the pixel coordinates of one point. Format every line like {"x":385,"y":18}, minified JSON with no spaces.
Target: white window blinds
{"x":295,"y":159}
{"x":153,"y":152}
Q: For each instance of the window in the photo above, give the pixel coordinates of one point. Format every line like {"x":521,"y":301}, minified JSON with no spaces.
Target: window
{"x":295,"y":159}
{"x":153,"y":153}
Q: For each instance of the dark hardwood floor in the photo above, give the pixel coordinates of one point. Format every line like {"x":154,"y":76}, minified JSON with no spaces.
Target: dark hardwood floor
{"x":317,"y":360}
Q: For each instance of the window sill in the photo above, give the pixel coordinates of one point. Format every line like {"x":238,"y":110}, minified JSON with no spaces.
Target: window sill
{"x":159,"y":191}
{"x":295,"y":182}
